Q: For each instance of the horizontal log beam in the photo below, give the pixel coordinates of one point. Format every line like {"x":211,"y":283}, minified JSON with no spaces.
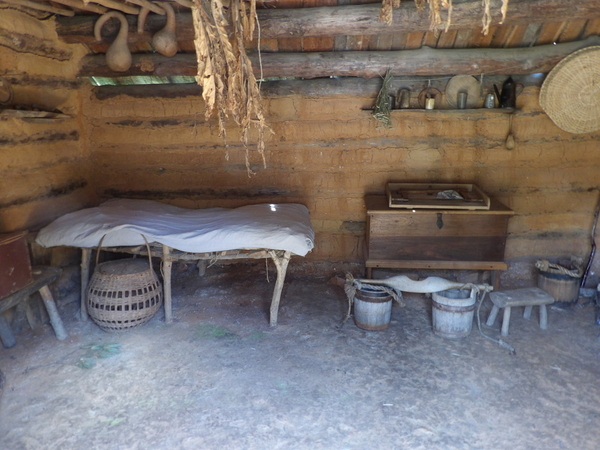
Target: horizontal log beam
{"x":41,"y":7}
{"x":349,"y":20}
{"x":317,"y":88}
{"x":423,"y":62}
{"x":27,"y":43}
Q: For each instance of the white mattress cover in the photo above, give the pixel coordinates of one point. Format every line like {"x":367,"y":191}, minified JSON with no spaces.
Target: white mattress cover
{"x":283,"y":226}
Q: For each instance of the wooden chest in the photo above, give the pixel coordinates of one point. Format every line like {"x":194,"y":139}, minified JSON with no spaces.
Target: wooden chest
{"x":436,"y":239}
{"x":15,"y":266}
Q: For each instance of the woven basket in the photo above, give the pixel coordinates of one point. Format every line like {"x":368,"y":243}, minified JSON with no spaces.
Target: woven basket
{"x":123,"y":294}
{"x":569,"y":94}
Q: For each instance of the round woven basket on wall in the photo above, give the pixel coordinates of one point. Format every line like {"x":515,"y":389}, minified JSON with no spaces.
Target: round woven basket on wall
{"x":571,"y":91}
{"x":124,"y":294}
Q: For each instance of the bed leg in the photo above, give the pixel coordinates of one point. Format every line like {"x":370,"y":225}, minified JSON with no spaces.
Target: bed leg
{"x":166,"y":271}
{"x":86,"y":256}
{"x":201,"y":265}
{"x":281,"y":264}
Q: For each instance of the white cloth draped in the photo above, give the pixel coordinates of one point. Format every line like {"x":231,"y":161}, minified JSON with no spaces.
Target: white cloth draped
{"x":280,"y":226}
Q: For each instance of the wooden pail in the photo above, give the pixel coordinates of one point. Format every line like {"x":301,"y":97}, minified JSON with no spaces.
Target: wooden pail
{"x":452,"y":313}
{"x":372,"y":309}
{"x":564,"y":288}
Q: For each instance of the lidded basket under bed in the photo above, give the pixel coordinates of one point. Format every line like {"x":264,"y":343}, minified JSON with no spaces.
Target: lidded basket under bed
{"x":124,"y":294}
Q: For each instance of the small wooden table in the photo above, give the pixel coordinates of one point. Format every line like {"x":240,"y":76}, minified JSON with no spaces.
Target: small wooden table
{"x":435,"y":238}
{"x":42,"y":277}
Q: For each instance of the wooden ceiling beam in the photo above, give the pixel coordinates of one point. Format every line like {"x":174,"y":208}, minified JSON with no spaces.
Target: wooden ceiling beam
{"x":119,"y":6}
{"x":79,"y":4}
{"x":350,"y":20}
{"x":41,"y":7}
{"x":366,"y":64}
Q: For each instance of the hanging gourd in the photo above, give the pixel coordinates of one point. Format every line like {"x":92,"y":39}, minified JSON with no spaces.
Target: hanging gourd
{"x":118,"y":56}
{"x":165,"y":40}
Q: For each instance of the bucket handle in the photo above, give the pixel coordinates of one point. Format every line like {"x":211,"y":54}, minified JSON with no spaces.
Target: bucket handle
{"x":147,"y":248}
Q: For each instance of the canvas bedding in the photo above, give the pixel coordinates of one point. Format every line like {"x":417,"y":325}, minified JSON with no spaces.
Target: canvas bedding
{"x":123,"y":222}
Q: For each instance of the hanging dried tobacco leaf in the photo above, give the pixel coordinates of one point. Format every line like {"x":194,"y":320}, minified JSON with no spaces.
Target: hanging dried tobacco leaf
{"x":225,"y":72}
{"x":435,"y":6}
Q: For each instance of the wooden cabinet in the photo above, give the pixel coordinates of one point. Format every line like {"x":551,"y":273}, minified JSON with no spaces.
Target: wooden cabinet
{"x":435,"y":239}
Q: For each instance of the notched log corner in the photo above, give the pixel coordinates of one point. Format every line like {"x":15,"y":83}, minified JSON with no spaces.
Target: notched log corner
{"x":52,"y":192}
{"x":26,"y":43}
{"x":40,"y":138}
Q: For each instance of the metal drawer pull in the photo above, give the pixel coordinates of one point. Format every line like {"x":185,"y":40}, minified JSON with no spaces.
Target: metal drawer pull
{"x":440,"y":222}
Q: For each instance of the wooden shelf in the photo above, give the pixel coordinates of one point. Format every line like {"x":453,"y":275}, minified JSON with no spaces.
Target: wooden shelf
{"x":33,"y":116}
{"x":454,"y":111}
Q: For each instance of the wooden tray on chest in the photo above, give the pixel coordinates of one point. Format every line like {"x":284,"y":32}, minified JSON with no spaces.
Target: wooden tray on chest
{"x":436,"y":196}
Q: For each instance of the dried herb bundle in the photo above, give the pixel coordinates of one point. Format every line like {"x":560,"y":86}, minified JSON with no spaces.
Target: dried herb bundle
{"x":225,"y":72}
{"x":381,"y":111}
{"x":435,"y":6}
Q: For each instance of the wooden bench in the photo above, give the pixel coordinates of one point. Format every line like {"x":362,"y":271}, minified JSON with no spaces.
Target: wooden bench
{"x":527,"y":297}
{"x":42,"y":277}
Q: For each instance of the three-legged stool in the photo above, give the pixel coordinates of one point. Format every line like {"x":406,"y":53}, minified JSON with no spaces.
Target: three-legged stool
{"x":42,"y":277}
{"x":527,"y":297}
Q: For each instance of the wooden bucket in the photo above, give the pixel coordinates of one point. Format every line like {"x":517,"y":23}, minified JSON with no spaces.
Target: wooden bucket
{"x":452,"y":313}
{"x":372,"y":309}
{"x":562,"y":287}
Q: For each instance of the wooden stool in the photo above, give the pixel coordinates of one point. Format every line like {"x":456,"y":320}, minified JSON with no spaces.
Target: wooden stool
{"x":527,"y":297}
{"x":42,"y":277}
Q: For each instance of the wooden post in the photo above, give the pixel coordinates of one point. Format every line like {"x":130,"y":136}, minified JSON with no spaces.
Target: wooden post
{"x":166,"y":271}
{"x":86,"y":256}
{"x":543,"y":317}
{"x":30,"y":316}
{"x":6,"y":335}
{"x":55,"y":320}
{"x":496,"y":274}
{"x":201,"y":265}
{"x":505,"y":321}
{"x":281,"y":264}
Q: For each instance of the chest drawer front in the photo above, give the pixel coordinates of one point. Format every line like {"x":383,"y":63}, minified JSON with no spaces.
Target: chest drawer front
{"x":390,"y":225}
{"x":445,"y":248}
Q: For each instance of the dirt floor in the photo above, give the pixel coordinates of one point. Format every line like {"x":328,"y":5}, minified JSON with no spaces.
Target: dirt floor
{"x":220,"y":378}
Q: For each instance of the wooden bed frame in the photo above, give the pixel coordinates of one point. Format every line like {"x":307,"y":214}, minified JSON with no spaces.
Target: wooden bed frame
{"x":168,"y":255}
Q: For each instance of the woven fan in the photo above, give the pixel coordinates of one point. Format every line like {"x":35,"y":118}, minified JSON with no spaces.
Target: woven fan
{"x":571,"y":91}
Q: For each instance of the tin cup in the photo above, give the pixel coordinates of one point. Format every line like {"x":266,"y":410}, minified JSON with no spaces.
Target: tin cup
{"x":462,"y":100}
{"x":490,"y":101}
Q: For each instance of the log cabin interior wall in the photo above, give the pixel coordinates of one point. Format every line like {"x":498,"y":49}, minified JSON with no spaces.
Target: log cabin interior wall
{"x":44,"y":162}
{"x":326,"y":152}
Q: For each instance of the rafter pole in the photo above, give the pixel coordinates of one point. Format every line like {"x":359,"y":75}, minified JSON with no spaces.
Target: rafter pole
{"x":353,"y":20}
{"x":366,"y":64}
{"x":41,"y":7}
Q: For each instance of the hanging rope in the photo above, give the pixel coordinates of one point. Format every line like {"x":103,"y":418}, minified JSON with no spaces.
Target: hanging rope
{"x":546,"y":266}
